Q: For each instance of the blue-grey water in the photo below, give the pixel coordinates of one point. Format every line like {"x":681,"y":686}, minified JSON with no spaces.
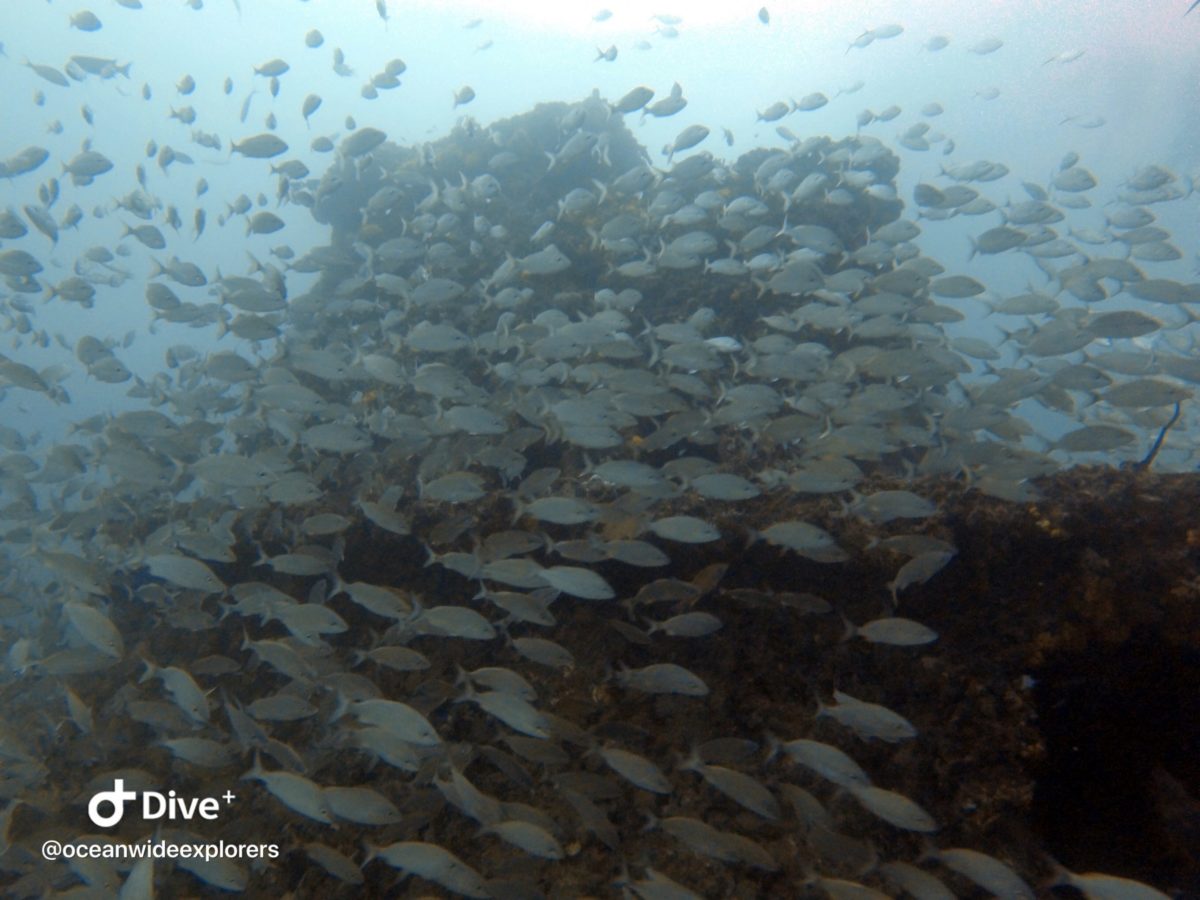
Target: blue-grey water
{"x":377,"y":357}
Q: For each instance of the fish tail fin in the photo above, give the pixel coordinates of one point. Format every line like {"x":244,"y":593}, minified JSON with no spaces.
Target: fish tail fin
{"x":371,"y":850}
{"x":263,"y":559}
{"x":692,"y":762}
{"x":1061,"y":875}
{"x":774,"y":745}
{"x":151,"y":670}
{"x":822,"y":709}
{"x":340,"y":708}
{"x":256,"y":770}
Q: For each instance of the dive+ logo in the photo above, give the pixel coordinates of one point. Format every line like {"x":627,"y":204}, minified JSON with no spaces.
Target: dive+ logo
{"x":154,"y":805}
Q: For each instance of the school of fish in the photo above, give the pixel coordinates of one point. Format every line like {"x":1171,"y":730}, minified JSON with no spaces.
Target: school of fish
{"x":389,"y":554}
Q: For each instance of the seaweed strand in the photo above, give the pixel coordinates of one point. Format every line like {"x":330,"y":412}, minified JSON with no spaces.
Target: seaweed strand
{"x":1157,"y":445}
